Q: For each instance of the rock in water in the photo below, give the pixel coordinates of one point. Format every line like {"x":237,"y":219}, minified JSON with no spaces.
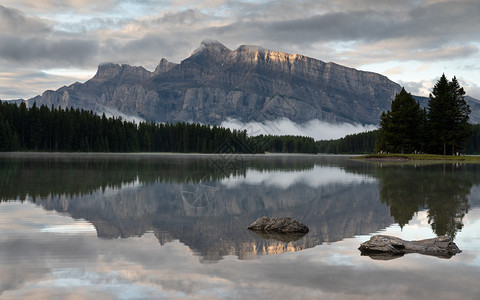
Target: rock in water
{"x":278,"y":225}
{"x":387,"y":247}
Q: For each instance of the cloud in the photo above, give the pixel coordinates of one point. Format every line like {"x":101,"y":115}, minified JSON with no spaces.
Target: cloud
{"x":420,"y":88}
{"x":61,"y":52}
{"x":13,"y":21}
{"x":48,"y":6}
{"x":30,"y":40}
{"x":85,"y":33}
{"x":111,"y":112}
{"x":473,"y":91}
{"x":316,"y":129}
{"x":34,"y":82}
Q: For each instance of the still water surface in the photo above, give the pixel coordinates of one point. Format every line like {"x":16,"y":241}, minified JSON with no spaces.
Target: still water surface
{"x":174,"y":226}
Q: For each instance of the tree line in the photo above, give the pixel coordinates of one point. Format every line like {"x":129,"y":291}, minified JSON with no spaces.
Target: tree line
{"x":359,"y":143}
{"x":364,"y":143}
{"x":55,"y":129}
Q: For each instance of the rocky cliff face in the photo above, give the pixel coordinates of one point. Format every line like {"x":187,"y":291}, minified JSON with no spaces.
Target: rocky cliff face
{"x":248,"y":84}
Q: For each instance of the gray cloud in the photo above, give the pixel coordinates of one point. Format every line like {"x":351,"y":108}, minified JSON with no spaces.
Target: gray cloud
{"x":13,"y":21}
{"x":186,"y":17}
{"x":429,"y":26}
{"x":45,"y":51}
{"x":26,"y":39}
{"x":353,"y":33}
{"x":61,"y":6}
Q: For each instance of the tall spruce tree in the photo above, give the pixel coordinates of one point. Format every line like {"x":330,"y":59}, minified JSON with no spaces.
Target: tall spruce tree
{"x":400,"y":128}
{"x":448,"y":115}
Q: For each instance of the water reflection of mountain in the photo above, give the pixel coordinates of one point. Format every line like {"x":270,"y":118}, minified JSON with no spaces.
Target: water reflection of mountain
{"x":127,"y":198}
{"x":218,"y":229}
{"x":207,"y":202}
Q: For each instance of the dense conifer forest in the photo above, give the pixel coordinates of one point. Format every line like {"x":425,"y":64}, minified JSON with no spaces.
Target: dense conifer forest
{"x":364,"y":143}
{"x":51,"y":129}
{"x":360,"y":143}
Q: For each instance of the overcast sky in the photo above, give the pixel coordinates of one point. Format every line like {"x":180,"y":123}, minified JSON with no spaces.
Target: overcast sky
{"x":50,"y":43}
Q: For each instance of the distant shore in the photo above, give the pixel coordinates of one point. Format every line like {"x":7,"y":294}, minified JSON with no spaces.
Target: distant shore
{"x":419,"y":157}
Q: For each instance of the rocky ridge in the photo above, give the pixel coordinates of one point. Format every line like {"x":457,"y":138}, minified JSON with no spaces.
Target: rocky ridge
{"x":248,"y":84}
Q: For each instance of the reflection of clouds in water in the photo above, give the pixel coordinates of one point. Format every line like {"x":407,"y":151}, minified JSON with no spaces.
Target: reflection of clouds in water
{"x":35,"y":217}
{"x":133,"y":270}
{"x":416,"y":229}
{"x":469,"y":236}
{"x":79,"y":227}
{"x":36,"y":264}
{"x":316,"y":177}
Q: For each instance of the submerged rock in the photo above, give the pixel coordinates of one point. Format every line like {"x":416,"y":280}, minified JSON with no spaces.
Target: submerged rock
{"x":278,"y":225}
{"x":389,"y":247}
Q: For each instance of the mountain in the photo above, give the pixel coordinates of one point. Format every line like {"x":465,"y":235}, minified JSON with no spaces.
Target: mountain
{"x":247,"y":84}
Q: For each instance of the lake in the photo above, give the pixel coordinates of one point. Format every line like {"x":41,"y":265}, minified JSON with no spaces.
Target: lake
{"x":163,"y":226}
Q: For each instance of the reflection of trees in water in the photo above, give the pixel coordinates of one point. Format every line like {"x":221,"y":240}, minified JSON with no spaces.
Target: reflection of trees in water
{"x":448,"y":203}
{"x":442,"y":188}
{"x":46,"y":174}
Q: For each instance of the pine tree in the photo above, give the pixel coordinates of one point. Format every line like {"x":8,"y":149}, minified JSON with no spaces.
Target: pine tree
{"x":400,"y":128}
{"x":448,"y":115}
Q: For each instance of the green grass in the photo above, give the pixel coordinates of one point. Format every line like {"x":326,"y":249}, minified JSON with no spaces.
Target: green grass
{"x":410,"y":157}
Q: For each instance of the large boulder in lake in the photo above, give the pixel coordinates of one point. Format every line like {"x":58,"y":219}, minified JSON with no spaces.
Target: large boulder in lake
{"x":388,"y":247}
{"x":278,"y":225}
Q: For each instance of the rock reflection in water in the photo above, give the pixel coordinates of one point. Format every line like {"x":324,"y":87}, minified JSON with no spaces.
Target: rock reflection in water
{"x":281,"y":237}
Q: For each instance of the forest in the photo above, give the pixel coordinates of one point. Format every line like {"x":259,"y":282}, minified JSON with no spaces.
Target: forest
{"x":364,"y":143}
{"x":73,"y":130}
{"x":359,"y":143}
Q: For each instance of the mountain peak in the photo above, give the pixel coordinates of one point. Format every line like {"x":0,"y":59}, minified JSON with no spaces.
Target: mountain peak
{"x":107,"y":71}
{"x":164,"y":66}
{"x":211,"y":47}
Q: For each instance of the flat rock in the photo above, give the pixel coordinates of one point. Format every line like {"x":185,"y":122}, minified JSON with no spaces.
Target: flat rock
{"x":278,"y":225}
{"x":389,"y":247}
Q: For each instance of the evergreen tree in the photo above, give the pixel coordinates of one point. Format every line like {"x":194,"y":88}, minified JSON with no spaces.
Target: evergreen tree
{"x":448,"y":115}
{"x":400,"y":128}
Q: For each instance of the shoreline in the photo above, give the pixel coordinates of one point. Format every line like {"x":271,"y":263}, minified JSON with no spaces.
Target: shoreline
{"x":419,"y":157}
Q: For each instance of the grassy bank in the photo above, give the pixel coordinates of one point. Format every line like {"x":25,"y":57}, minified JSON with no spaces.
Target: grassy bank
{"x":410,"y":157}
